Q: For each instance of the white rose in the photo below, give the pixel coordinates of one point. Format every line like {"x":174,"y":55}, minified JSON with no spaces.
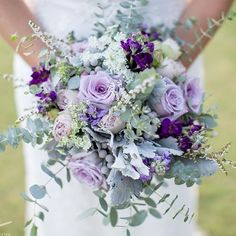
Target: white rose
{"x":171,"y":49}
{"x":171,"y":69}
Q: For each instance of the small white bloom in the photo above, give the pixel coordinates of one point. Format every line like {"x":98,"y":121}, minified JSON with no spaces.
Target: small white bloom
{"x":171,"y":49}
{"x":171,"y":69}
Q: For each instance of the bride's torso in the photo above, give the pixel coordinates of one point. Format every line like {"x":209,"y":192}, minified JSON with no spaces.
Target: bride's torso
{"x":62,"y":16}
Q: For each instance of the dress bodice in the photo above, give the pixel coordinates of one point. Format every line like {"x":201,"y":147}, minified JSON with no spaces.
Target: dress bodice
{"x":62,"y":16}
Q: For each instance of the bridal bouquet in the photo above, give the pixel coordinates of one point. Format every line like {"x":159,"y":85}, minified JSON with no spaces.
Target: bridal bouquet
{"x":120,"y":113}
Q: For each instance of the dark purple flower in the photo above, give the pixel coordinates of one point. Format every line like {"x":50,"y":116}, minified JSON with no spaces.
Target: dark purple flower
{"x":143,"y":60}
{"x":39,"y":76}
{"x":41,"y":109}
{"x":185,"y":143}
{"x":53,"y":96}
{"x":151,"y":33}
{"x":170,"y":128}
{"x":131,"y":46}
{"x":150,"y":46}
{"x":93,"y":115}
{"x":195,"y":128}
{"x":47,"y":97}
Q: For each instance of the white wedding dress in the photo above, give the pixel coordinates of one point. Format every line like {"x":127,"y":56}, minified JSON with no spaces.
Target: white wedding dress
{"x":60,"y":17}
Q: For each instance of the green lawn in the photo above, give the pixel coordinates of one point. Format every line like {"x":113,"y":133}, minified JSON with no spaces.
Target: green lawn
{"x":218,"y":194}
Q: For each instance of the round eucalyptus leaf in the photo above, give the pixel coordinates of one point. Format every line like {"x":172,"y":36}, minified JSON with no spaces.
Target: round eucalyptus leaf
{"x":38,"y":191}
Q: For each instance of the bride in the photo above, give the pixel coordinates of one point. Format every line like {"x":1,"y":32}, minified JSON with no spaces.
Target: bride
{"x":60,"y":17}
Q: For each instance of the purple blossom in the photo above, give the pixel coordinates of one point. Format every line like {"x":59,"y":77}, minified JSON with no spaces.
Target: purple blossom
{"x":47,"y":97}
{"x":151,"y":33}
{"x":164,"y":159}
{"x":170,"y":128}
{"x":39,"y":76}
{"x":152,"y":171}
{"x":93,"y":115}
{"x":131,"y":46}
{"x":150,"y":46}
{"x":194,"y":128}
{"x":143,"y":60}
{"x":139,"y":56}
{"x":185,"y":143}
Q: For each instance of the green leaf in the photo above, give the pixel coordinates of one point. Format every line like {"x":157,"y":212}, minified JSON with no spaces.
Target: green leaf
{"x":155,"y":213}
{"x":38,"y":191}
{"x":126,"y":5}
{"x":2,"y":147}
{"x":99,"y":193}
{"x":26,"y":197}
{"x":28,"y":223}
{"x":26,"y":136}
{"x":41,"y":216}
{"x":47,"y":171}
{"x":34,"y":230}
{"x":128,"y":232}
{"x":103,"y":204}
{"x":138,"y":218}
{"x":68,"y":175}
{"x":58,"y":181}
{"x":87,"y":213}
{"x":113,"y":216}
{"x":163,"y":199}
{"x":42,"y":206}
{"x":150,"y":202}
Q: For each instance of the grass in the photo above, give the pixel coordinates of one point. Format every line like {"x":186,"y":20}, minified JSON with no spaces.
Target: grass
{"x":217,"y":195}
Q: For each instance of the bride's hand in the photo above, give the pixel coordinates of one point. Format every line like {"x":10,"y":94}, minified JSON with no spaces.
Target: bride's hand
{"x":201,"y":10}
{"x":14,"y":17}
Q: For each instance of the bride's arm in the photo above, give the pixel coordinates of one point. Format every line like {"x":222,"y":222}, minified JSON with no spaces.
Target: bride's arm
{"x":201,"y":10}
{"x":14,"y":17}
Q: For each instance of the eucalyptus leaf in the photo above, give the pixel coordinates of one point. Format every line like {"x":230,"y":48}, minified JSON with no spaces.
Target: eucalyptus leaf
{"x":34,"y":230}
{"x":87,"y":213}
{"x":103,"y":204}
{"x":150,"y":202}
{"x":154,"y":213}
{"x":138,"y":218}
{"x":38,"y":191}
{"x":26,"y":197}
{"x":113,"y":216}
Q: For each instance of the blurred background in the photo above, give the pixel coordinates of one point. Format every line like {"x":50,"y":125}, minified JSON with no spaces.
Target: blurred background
{"x":217,"y":206}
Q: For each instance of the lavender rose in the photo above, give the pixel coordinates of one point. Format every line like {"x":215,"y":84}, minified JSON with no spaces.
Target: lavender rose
{"x":62,"y":126}
{"x":193,"y":93}
{"x":167,"y":100}
{"x":86,"y":168}
{"x":66,"y":97}
{"x":112,"y":123}
{"x":79,"y":47}
{"x":98,"y":89}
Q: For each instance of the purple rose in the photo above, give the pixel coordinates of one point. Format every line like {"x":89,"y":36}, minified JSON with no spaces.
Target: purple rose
{"x":112,"y":123}
{"x":98,"y":89}
{"x":86,"y":168}
{"x":62,"y":126}
{"x":167,"y":100}
{"x":66,"y":97}
{"x":193,"y":93}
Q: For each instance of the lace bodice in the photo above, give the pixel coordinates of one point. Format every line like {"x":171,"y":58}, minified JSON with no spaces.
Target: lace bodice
{"x":62,"y":16}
